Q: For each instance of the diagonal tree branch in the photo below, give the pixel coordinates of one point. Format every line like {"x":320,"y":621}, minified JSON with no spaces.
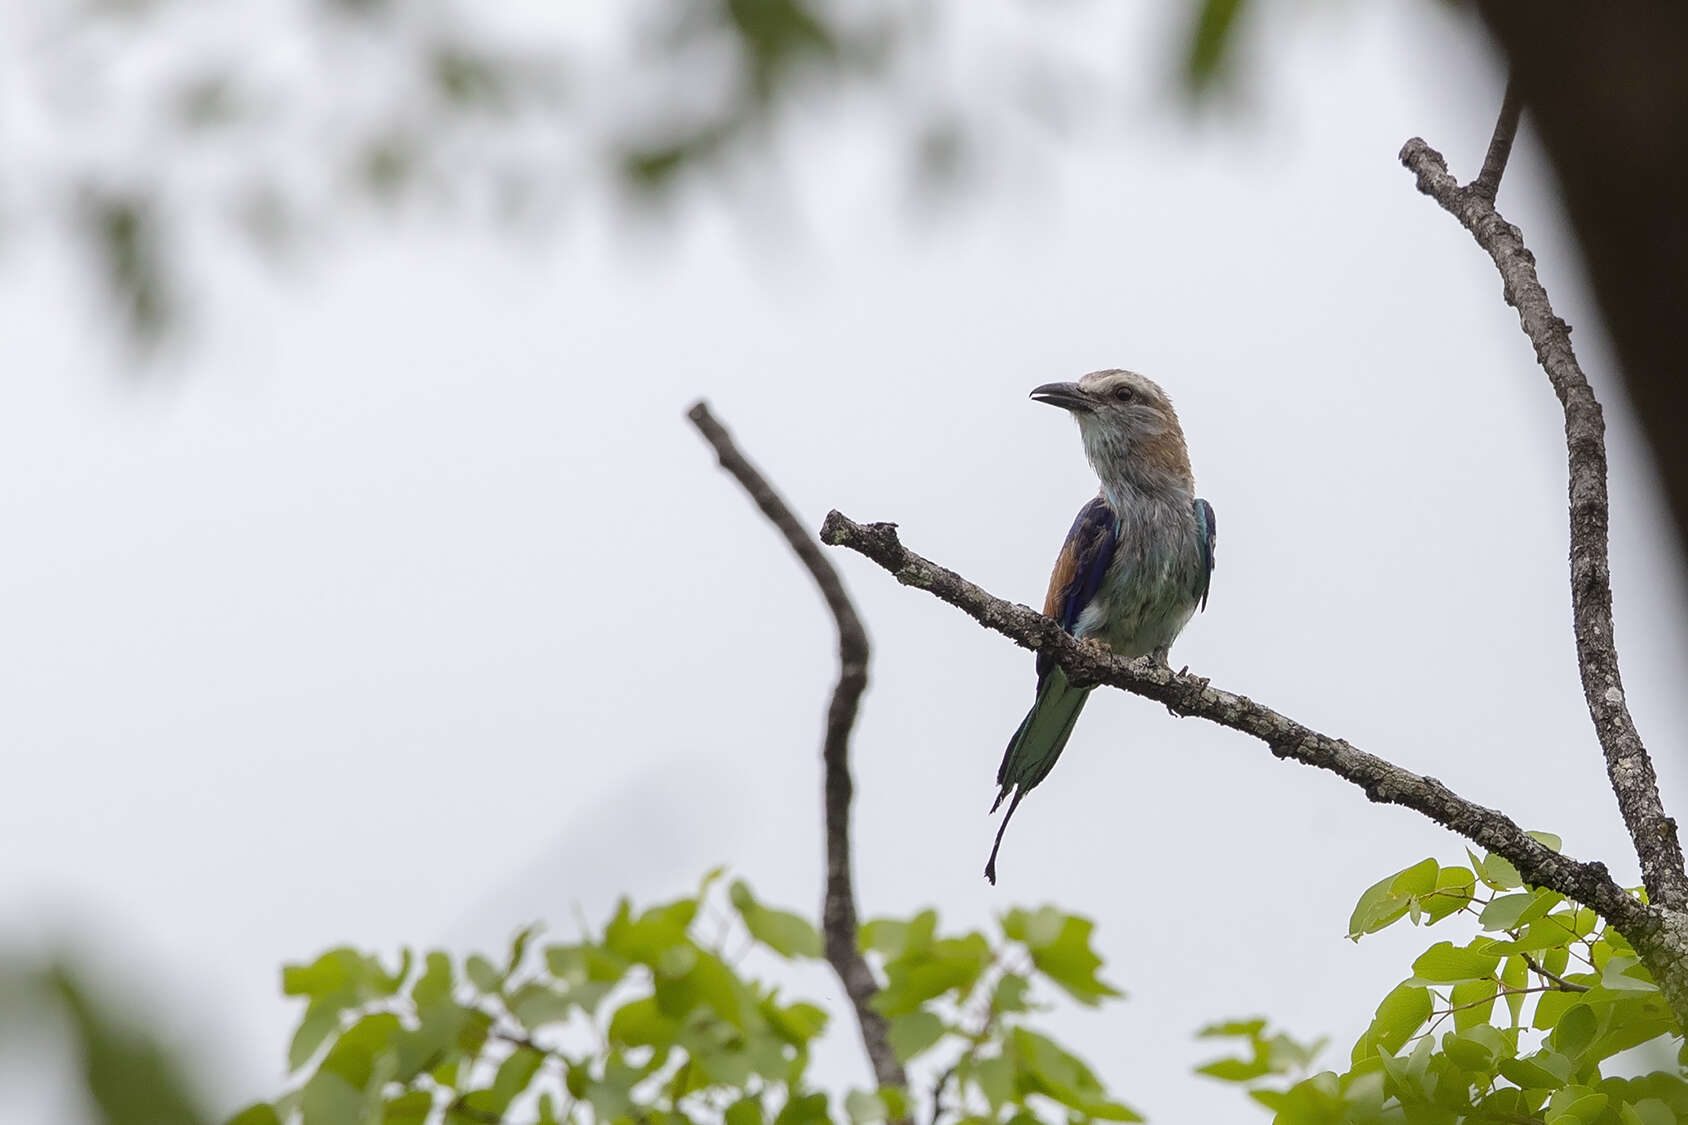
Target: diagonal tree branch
{"x":1382,"y":781}
{"x":1660,"y":935}
{"x":838,"y":912}
{"x":1627,"y":762}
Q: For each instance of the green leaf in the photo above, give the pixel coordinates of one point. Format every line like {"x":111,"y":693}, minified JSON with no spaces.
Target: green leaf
{"x":1057,"y":1073}
{"x":1210,"y":41}
{"x":1575,"y":1030}
{"x":644,"y":939}
{"x":1514,"y":975}
{"x":1544,"y":1070}
{"x":330,"y":1100}
{"x":354,"y":1056}
{"x":914,"y":1032}
{"x":1547,"y":840}
{"x":1033,"y":927}
{"x":1230,"y":1029}
{"x":409,"y":1108}
{"x":334,"y":975}
{"x":1504,"y":911}
{"x":863,"y":1107}
{"x":640,"y":1023}
{"x":709,"y":982}
{"x":746,"y":1111}
{"x":1009,"y":996}
{"x":435,"y":983}
{"x":514,"y":1075}
{"x":313,"y":1031}
{"x":518,"y":947}
{"x":1473,"y":1002}
{"x":797,"y":1023}
{"x":535,"y":1005}
{"x":1236,"y":1070}
{"x":952,"y":964}
{"x":1401,"y":1013}
{"x":1496,"y":873}
{"x":894,"y":938}
{"x":1475,"y":1049}
{"x":808,"y":1109}
{"x":482,"y":973}
{"x":262,"y":1113}
{"x":575,"y":965}
{"x":1454,"y":887}
{"x":1616,"y":976}
{"x":1389,"y":898}
{"x":1648,"y":1111}
{"x":788,"y":934}
{"x":994,"y":1076}
{"x":1577,"y":1106}
{"x":1631,"y":1019}
{"x":1067,"y":958}
{"x":1550,"y":1007}
{"x":1446,"y":963}
{"x":1500,"y":873}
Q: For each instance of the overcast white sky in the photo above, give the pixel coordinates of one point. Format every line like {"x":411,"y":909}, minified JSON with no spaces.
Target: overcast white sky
{"x":407,"y":609}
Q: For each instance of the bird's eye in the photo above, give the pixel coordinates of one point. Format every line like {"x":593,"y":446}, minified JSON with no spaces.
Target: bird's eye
{"x":1123,"y":394}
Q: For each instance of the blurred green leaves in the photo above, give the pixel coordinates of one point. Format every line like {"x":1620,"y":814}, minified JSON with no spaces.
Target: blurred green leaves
{"x":127,"y":1073}
{"x":514,"y":119}
{"x":659,"y":1018}
{"x":663,"y":1018}
{"x":1212,"y":40}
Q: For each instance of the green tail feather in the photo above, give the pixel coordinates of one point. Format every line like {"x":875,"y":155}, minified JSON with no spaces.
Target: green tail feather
{"x":1033,"y":750}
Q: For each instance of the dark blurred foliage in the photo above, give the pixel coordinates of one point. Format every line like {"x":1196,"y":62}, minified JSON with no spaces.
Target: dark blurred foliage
{"x":154,"y":118}
{"x":127,"y":1076}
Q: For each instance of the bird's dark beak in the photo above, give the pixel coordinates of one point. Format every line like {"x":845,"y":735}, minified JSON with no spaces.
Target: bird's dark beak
{"x":1068,"y":396}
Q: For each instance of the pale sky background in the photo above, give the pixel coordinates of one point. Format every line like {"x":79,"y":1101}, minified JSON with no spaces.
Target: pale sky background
{"x":403,"y":606}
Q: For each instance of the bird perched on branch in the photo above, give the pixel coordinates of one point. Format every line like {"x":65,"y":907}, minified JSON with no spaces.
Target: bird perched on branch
{"x":1135,"y":566}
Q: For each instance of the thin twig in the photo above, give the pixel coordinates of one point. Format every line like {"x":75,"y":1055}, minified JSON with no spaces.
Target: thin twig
{"x":1564,"y":985}
{"x":1627,"y":762}
{"x":838,"y":913}
{"x":1381,"y":780}
{"x":1487,"y":183}
{"x":938,"y":1090}
{"x":987,"y":1021}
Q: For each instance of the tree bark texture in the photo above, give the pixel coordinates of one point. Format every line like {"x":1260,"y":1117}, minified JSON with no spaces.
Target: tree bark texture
{"x":839,"y":923}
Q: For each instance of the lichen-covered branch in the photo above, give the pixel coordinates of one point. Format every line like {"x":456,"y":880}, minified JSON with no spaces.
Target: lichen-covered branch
{"x":1382,"y":781}
{"x":838,"y":911}
{"x":1627,"y":763}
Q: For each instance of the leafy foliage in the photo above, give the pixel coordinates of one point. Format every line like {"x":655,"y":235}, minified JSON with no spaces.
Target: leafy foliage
{"x":129,"y":1075}
{"x":1518,"y":1023}
{"x":652,"y":1021}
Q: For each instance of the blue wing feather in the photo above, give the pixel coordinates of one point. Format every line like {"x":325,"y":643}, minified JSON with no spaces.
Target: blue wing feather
{"x":1208,"y":530}
{"x":1084,"y":559}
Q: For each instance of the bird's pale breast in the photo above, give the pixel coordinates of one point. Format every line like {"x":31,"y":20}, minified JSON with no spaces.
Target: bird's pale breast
{"x":1151,"y":590}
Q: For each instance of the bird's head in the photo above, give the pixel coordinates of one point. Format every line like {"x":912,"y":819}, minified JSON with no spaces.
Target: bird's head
{"x":1127,"y":422}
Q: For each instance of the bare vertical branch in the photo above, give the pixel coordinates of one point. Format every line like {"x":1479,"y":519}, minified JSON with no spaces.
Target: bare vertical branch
{"x":1487,"y":183}
{"x":838,"y":912}
{"x":1627,"y":763}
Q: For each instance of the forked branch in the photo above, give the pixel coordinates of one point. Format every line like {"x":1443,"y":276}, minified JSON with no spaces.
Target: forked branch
{"x":1627,"y":763}
{"x":838,"y":912}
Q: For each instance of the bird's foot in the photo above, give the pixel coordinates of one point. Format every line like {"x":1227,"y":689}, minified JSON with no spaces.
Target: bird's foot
{"x":1194,"y":685}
